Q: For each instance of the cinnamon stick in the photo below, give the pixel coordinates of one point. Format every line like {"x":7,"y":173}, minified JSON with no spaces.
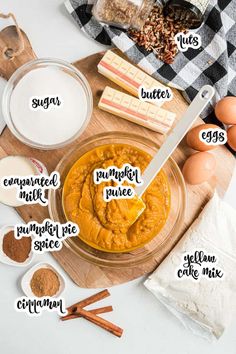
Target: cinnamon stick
{"x":89,"y":300}
{"x":108,"y":326}
{"x":95,"y":311}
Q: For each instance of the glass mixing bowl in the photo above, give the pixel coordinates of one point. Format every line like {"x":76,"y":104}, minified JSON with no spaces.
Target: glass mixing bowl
{"x":140,"y":255}
{"x":57,"y":65}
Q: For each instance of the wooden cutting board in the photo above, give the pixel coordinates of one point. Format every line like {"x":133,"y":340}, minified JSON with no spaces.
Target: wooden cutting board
{"x":85,"y":274}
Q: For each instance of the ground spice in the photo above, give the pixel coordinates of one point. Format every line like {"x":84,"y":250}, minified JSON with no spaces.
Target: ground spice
{"x":17,"y":250}
{"x":44,"y":282}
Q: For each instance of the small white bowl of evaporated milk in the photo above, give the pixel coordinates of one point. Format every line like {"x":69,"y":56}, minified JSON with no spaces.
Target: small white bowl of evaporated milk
{"x":17,"y":166}
{"x":47,"y":103}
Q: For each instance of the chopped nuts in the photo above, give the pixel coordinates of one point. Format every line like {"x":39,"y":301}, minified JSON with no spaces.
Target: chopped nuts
{"x":158,"y":34}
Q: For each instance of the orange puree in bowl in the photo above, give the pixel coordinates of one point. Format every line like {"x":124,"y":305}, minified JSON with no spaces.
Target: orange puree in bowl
{"x":105,"y":225}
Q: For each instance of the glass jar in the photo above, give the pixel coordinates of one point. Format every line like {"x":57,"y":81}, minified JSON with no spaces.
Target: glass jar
{"x":191,"y":12}
{"x":123,"y":14}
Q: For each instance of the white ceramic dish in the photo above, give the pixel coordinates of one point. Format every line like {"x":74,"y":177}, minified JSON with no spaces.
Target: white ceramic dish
{"x":25,"y":281}
{"x":14,"y":166}
{"x":3,"y":257}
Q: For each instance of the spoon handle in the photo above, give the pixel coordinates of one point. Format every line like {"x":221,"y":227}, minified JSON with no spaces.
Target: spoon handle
{"x":176,"y":135}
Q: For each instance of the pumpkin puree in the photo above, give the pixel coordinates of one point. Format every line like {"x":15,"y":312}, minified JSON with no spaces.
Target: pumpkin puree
{"x":105,"y":226}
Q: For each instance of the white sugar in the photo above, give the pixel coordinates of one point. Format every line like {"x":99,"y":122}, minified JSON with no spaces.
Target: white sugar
{"x":58,"y":122}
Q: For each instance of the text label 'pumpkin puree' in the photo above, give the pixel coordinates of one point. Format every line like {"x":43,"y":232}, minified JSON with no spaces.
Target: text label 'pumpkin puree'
{"x":105,"y":226}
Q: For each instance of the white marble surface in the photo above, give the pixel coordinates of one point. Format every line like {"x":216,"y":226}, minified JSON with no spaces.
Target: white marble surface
{"x":149,"y":328}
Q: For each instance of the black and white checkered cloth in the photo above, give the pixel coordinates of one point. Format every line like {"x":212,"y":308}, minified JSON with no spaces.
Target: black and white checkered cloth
{"x":214,"y":63}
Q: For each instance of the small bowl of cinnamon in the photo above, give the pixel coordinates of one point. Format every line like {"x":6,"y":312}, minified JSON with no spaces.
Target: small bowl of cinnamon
{"x":14,"y":252}
{"x":41,"y":280}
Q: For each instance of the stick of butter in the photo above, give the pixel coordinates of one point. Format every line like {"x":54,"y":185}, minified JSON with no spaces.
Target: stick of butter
{"x":126,"y":75}
{"x":136,"y":111}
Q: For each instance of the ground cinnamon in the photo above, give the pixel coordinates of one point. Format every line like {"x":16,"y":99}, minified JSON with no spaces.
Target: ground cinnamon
{"x":44,"y":282}
{"x":17,"y":250}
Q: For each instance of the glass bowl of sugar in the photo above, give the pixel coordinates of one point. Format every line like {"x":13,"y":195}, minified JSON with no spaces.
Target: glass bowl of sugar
{"x":47,"y":103}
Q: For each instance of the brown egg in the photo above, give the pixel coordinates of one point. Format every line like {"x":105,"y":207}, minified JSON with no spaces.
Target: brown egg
{"x":231,"y":135}
{"x":193,"y":141}
{"x":225,"y":110}
{"x":199,"y":168}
